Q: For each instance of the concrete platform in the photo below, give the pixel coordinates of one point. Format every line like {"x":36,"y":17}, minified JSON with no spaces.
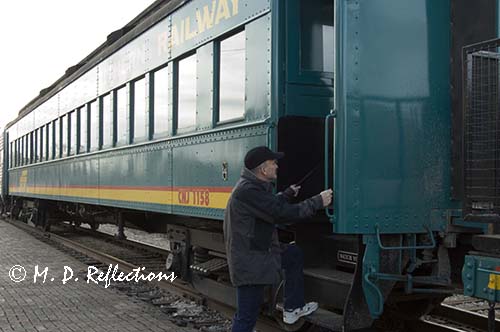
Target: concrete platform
{"x":53,"y":306}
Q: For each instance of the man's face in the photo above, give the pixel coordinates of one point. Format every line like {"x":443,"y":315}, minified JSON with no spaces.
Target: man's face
{"x":270,"y":169}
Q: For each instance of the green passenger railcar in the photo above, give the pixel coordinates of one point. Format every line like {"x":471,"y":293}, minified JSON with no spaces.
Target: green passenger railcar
{"x":364,"y":96}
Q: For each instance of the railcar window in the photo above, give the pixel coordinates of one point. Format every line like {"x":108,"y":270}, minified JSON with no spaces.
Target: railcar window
{"x":64,"y":136}
{"x":83,"y":130}
{"x":72,"y":133}
{"x":107,"y":121}
{"x":187,"y":93}
{"x":35,"y":146}
{"x":27,"y":151}
{"x":41,"y":139}
{"x":94,"y":126}
{"x":19,"y":152}
{"x":232,"y":77}
{"x":48,"y":142}
{"x":161,"y":87}
{"x":23,"y":150}
{"x":30,"y":148}
{"x":316,"y":35}
{"x":25,"y":160}
{"x":140,"y":110}
{"x":122,"y":116}
{"x":57,"y":139}
{"x":51,"y":140}
{"x":11,"y":155}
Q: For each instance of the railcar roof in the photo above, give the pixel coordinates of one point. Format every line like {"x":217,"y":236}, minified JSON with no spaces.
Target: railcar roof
{"x":114,"y":41}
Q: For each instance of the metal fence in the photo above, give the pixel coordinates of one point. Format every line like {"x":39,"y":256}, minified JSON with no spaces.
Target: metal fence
{"x":481,"y":131}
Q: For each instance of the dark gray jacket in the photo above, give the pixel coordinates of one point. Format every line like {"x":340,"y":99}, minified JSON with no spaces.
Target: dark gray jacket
{"x":250,"y":235}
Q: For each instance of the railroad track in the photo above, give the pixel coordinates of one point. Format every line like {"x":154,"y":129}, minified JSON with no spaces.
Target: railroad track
{"x":170,"y":297}
{"x":452,"y":316}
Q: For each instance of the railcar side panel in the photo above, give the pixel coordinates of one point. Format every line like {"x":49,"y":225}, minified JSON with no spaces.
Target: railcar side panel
{"x":191,"y":176}
{"x":137,"y":178}
{"x":393,"y":123}
{"x":258,"y":69}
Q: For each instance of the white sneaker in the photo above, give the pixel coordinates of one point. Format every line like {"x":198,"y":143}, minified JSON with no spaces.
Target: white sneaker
{"x":290,"y":317}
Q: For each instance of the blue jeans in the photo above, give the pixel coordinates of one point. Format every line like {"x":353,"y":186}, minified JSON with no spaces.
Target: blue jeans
{"x":250,"y":297}
{"x":292,"y":261}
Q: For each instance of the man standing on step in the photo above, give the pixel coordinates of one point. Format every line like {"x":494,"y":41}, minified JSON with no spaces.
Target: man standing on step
{"x":255,"y":256}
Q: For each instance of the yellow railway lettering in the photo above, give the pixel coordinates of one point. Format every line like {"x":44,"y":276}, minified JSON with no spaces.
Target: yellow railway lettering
{"x":189,"y":34}
{"x":206,"y":21}
{"x":174,"y":40}
{"x":235,"y":7}
{"x":206,"y":18}
{"x":222,"y":11}
{"x":163,"y":43}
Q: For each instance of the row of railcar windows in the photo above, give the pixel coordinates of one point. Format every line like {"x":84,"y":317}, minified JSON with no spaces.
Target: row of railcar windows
{"x":121,"y":116}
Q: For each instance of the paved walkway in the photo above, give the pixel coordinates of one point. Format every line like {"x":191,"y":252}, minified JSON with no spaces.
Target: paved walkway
{"x":53,"y":306}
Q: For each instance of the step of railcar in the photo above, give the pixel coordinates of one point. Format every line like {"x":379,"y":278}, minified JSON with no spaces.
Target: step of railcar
{"x":326,"y":285}
{"x":330,"y":275}
{"x":322,"y":318}
{"x":213,"y":265}
{"x":489,"y":243}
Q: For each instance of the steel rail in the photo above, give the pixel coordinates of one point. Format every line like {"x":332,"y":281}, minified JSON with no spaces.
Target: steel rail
{"x":433,"y":326}
{"x":465,"y":317}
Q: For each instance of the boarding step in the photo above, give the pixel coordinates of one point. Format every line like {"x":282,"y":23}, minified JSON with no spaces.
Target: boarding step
{"x":322,"y":318}
{"x":330,"y":275}
{"x":210,"y":266}
{"x":326,"y":285}
{"x":489,"y":243}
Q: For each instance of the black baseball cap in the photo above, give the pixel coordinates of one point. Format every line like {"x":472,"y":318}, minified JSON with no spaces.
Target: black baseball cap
{"x":258,"y":155}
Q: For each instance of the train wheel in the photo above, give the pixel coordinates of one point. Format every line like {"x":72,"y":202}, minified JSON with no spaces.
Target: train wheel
{"x":14,"y":212}
{"x":32,"y":218}
{"x":46,"y":225}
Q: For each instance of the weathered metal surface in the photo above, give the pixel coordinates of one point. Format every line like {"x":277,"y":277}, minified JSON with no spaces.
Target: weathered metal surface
{"x":481,"y":276}
{"x":392,"y":153}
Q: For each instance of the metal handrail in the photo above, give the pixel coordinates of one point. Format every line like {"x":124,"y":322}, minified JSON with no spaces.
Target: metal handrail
{"x":332,"y":114}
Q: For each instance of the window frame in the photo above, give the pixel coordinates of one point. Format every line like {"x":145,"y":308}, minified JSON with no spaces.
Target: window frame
{"x":132,"y":110}
{"x":177,"y":77}
{"x":294,"y":47}
{"x":111,"y":113}
{"x":217,"y":73}
{"x":91,"y":138}
{"x":41,"y":139}
{"x":64,"y":134}
{"x":57,"y":137}
{"x":73,"y":132}
{"x":121,"y":91}
{"x":168,"y":132}
{"x":35,"y":146}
